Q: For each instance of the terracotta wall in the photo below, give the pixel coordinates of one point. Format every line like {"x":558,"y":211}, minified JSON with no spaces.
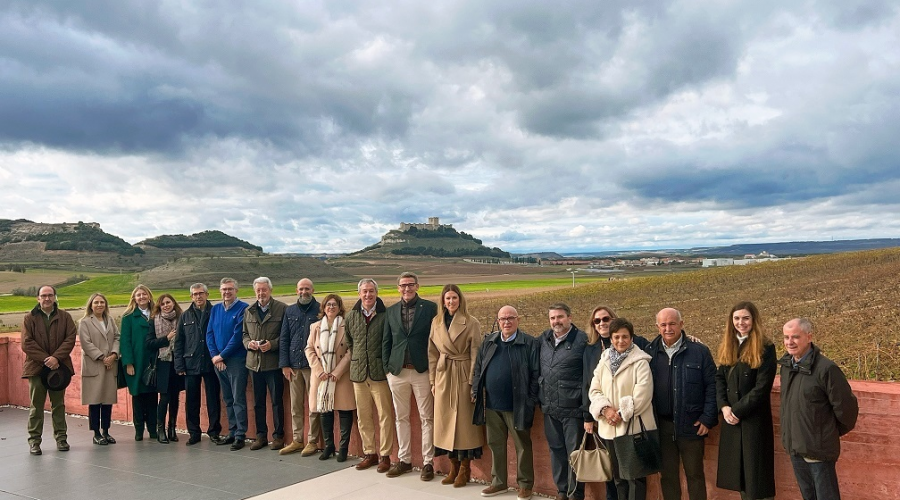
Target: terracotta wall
{"x":867,"y":469}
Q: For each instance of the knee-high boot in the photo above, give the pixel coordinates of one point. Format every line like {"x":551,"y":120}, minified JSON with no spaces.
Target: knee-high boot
{"x":327,"y":434}
{"x":454,"y":470}
{"x":346,"y":421}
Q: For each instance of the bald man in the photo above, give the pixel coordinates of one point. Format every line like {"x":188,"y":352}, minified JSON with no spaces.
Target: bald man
{"x":505,"y":392}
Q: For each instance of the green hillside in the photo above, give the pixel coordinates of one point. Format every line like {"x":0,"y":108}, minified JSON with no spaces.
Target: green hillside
{"x":442,"y":241}
{"x":204,"y":239}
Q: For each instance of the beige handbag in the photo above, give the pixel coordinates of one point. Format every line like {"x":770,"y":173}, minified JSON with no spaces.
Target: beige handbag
{"x":591,"y":466}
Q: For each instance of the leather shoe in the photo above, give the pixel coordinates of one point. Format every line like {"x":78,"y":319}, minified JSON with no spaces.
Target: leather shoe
{"x":237,"y":444}
{"x":109,"y":439}
{"x":384,"y":465}
{"x":341,"y":456}
{"x":277,"y":444}
{"x":427,"y":473}
{"x":192,"y":440}
{"x":492,"y":491}
{"x":399,"y":469}
{"x":62,"y":445}
{"x":369,"y":460}
{"x":100,"y":440}
{"x":215,"y":438}
{"x":524,"y":493}
{"x":309,"y":450}
{"x":327,"y":453}
{"x":259,"y":443}
{"x":35,"y":449}
{"x":294,"y":447}
{"x":225,"y":440}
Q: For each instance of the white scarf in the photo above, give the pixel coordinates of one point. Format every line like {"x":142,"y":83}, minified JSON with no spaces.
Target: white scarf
{"x":325,"y":393}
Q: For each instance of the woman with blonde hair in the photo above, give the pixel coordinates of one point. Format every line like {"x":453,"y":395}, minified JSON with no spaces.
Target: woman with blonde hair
{"x":330,"y":389}
{"x":747,"y":368}
{"x":160,"y":343}
{"x":453,"y":346}
{"x":134,"y":330}
{"x":99,"y":338}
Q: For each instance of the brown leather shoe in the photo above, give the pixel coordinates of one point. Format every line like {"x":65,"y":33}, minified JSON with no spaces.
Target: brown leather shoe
{"x":400,"y":468}
{"x":369,"y":460}
{"x":294,"y":447}
{"x":309,"y":450}
{"x":259,"y":443}
{"x":524,"y":493}
{"x":384,"y":465}
{"x":277,"y":444}
{"x":427,"y":472}
{"x":492,"y":491}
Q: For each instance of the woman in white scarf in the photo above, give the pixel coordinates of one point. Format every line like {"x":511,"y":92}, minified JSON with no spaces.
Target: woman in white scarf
{"x":330,"y":387}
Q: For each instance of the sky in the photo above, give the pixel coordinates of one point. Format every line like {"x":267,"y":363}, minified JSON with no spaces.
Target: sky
{"x":535,"y":126}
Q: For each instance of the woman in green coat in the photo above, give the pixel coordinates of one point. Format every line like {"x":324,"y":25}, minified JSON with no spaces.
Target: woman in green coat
{"x":135,"y":358}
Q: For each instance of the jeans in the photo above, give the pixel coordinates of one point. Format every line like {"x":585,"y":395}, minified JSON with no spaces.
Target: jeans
{"x":233,"y":380}
{"x":192,"y":404}
{"x":273,"y":381}
{"x":817,"y":480}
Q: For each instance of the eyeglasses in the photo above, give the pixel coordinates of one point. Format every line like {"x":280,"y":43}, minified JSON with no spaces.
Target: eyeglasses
{"x":408,"y":285}
{"x":197,"y":294}
{"x":229,"y":289}
{"x":507,"y":319}
{"x":605,"y":319}
{"x":47,"y":295}
{"x":331,"y":304}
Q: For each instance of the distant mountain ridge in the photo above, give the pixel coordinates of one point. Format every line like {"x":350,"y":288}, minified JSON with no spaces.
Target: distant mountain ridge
{"x":203,"y":239}
{"x":780,"y":249}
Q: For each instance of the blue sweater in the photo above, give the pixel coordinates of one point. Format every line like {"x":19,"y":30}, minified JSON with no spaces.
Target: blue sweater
{"x":225,"y":331}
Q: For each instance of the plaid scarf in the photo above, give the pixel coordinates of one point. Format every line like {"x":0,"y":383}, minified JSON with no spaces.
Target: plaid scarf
{"x":616,"y":358}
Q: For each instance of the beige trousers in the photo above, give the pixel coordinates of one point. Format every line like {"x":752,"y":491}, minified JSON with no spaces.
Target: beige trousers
{"x":403,"y":386}
{"x":368,"y":394}
{"x":299,"y":385}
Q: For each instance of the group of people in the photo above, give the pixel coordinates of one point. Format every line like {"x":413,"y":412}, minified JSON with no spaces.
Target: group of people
{"x":469,"y":389}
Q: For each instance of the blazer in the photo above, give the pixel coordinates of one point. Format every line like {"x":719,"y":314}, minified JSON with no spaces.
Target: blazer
{"x":397,"y":340}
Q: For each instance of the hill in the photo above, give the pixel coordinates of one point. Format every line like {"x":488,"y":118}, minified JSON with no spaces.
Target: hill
{"x":80,"y":236}
{"x":204,"y":239}
{"x":799,"y":247}
{"x":181,"y":272}
{"x":851,"y":298}
{"x":431,"y":239}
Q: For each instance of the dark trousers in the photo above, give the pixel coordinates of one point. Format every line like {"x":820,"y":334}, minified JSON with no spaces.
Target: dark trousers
{"x":564,"y":436}
{"x":817,"y":480}
{"x":273,"y":381}
{"x":346,"y":420}
{"x":144,"y":408}
{"x":499,"y":425}
{"x":192,"y":403}
{"x":624,"y":489}
{"x":99,"y":416}
{"x":168,"y":402}
{"x":678,"y":452}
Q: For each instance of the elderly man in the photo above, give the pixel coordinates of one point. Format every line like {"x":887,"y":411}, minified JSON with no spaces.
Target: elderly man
{"x":562,"y":374}
{"x":817,"y":408}
{"x":48,"y":337}
{"x":224,"y":339}
{"x":365,"y":329}
{"x":407,"y":330}
{"x":192,"y":359}
{"x":298,"y":318}
{"x":262,"y":330}
{"x":505,"y":392}
{"x":684,"y":397}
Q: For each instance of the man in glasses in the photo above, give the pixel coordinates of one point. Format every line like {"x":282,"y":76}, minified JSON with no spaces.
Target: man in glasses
{"x":405,"y":354}
{"x":505,"y":392}
{"x":229,"y":356}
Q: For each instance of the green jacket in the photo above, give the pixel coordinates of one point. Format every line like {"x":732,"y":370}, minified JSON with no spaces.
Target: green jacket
{"x":132,"y":338}
{"x":397,"y":340}
{"x":268,"y":329}
{"x":364,"y":343}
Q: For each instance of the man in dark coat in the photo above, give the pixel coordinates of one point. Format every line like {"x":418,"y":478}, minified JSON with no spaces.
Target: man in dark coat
{"x":404,"y":351}
{"x":192,"y":360}
{"x":505,"y":391}
{"x":562,"y":374}
{"x":298,"y":317}
{"x":48,"y":337}
{"x":684,"y":398}
{"x":817,"y":408}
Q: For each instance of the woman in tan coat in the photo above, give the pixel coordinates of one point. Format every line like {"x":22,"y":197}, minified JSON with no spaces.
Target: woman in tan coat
{"x":455,"y":340}
{"x":330,"y":389}
{"x":99,"y":338}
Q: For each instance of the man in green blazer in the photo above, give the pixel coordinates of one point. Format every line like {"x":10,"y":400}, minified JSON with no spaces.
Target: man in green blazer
{"x":405,"y":354}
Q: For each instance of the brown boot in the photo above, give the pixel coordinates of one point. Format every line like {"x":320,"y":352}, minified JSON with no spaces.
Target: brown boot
{"x":454,"y":470}
{"x":462,"y":478}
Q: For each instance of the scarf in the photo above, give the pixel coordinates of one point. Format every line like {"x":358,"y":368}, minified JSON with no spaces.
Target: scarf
{"x":165,"y":323}
{"x":327,"y":336}
{"x":616,"y":358}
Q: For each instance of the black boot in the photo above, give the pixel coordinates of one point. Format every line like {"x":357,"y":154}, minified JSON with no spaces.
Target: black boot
{"x":171,"y":431}
{"x":161,"y":434}
{"x":327,"y":435}
{"x":346,"y":420}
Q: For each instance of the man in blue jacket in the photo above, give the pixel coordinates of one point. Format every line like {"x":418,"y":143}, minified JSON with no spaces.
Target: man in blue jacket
{"x":292,"y":358}
{"x":224,"y":337}
{"x":684,"y":398}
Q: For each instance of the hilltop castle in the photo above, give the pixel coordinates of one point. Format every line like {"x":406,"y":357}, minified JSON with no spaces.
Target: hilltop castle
{"x":433,"y":224}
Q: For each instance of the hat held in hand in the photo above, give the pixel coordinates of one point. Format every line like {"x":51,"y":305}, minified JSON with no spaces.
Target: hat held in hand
{"x":58,"y":379}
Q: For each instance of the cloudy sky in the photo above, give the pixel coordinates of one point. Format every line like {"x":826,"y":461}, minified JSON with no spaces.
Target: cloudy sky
{"x":583,"y":125}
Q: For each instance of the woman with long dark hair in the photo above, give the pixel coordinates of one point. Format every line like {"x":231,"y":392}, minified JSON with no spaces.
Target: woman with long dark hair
{"x":160,"y":343}
{"x":744,"y":380}
{"x":135,"y":326}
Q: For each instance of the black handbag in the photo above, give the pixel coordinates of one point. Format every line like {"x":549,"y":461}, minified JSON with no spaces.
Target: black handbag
{"x":121,"y":381}
{"x":638,"y":455}
{"x":149,"y":376}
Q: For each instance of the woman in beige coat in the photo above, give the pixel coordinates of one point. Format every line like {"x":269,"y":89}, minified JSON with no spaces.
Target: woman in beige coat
{"x":330,"y":389}
{"x":99,"y":338}
{"x":621,"y":395}
{"x":455,"y":340}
